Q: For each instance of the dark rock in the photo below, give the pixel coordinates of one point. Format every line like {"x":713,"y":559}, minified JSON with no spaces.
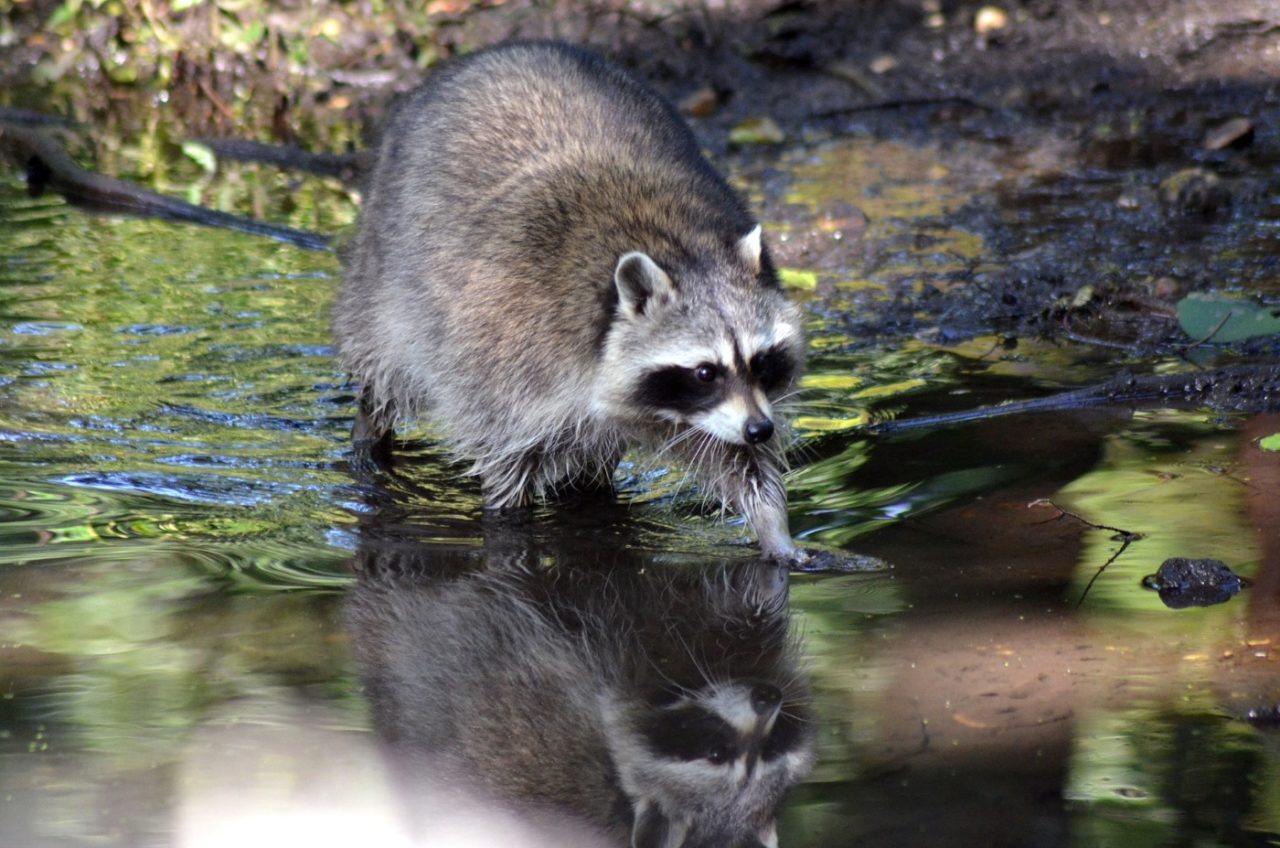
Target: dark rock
{"x":1268,"y":716}
{"x":1194,"y":582}
{"x":1194,"y":191}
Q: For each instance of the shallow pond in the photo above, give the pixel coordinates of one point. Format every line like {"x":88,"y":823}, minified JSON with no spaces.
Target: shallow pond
{"x":178,"y":525}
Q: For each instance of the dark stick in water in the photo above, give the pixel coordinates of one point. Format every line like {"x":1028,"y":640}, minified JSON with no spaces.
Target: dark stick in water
{"x":346,"y":167}
{"x":48,"y":166}
{"x":1246,"y":388}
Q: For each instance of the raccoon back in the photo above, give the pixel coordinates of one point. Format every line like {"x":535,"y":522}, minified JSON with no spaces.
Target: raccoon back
{"x":505,"y":190}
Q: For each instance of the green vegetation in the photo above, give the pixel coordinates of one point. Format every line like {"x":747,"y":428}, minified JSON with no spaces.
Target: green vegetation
{"x":273,"y":70}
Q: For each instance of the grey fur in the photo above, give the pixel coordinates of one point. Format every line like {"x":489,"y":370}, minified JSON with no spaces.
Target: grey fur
{"x":530,"y":691}
{"x":480,"y":286}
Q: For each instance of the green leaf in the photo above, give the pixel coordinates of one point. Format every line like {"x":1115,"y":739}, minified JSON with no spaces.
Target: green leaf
{"x":63,"y":13}
{"x":1222,"y":318}
{"x":254,"y":33}
{"x":795,"y":278}
{"x":1270,"y":443}
{"x":757,"y":131}
{"x":201,"y":155}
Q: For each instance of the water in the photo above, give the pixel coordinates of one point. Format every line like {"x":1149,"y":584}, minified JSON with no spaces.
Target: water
{"x":178,"y":525}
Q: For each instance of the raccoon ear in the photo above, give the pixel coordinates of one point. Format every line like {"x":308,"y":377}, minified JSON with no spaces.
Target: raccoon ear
{"x":749,"y":249}
{"x":653,"y":829}
{"x":641,"y":284}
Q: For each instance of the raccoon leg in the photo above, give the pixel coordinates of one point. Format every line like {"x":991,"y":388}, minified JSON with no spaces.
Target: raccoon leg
{"x":592,"y":482}
{"x":510,"y":482}
{"x":371,"y":437}
{"x":762,"y":498}
{"x":749,"y":479}
{"x":769,"y":521}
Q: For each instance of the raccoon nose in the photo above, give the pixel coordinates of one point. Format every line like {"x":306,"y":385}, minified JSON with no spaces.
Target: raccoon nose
{"x":758,"y":431}
{"x":765,"y":698}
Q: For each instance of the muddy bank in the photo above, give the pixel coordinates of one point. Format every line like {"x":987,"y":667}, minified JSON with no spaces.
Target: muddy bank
{"x":1111,"y":157}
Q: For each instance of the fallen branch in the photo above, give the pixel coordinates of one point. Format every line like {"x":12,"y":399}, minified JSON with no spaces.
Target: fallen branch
{"x":346,"y":167}
{"x":1249,"y":388}
{"x":49,"y":167}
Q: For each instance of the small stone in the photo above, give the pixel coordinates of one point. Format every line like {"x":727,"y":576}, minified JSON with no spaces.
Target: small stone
{"x":883,"y":64}
{"x":1237,"y":132}
{"x":757,"y":131}
{"x":1129,"y":200}
{"x":1264,"y":716}
{"x":700,"y":102}
{"x":990,"y":19}
{"x":1165,"y":288}
{"x":1194,"y":191}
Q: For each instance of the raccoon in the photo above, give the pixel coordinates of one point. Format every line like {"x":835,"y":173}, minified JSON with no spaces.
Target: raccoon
{"x":661,"y":710}
{"x":549,"y":269}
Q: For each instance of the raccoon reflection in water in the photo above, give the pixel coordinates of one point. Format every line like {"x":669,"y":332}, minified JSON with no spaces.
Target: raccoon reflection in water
{"x":570,"y":706}
{"x":550,"y":271}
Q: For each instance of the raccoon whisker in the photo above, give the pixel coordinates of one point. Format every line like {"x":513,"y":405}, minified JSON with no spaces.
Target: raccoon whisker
{"x":679,"y":444}
{"x":673,"y":686}
{"x":794,"y":393}
{"x":690,"y":467}
{"x":799,"y":718}
{"x":698,"y":666}
{"x":698,"y":463}
{"x":677,"y":439}
{"x":804,"y":450}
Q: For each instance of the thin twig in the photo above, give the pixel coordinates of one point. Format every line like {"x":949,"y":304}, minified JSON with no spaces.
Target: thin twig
{"x":1124,"y":537}
{"x":1212,"y":333}
{"x":904,"y":103}
{"x":216,"y":100}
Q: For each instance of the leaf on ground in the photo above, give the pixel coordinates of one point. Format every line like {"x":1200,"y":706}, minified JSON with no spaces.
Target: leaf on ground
{"x":1270,"y":443}
{"x":795,"y":278}
{"x":757,"y":131}
{"x":890,"y":389}
{"x":1222,"y":318}
{"x":829,"y":425}
{"x":201,"y":155}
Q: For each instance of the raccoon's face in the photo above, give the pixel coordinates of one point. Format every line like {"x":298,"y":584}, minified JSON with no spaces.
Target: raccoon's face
{"x":712,"y":768}
{"x":713,"y":349}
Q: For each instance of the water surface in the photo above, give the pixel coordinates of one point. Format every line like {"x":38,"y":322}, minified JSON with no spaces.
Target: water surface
{"x":178,"y":521}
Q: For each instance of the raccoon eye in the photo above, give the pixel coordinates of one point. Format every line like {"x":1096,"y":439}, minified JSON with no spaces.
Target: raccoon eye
{"x":719,"y":754}
{"x":788,"y":730}
{"x":772,"y":368}
{"x":705,"y":373}
{"x":679,"y":388}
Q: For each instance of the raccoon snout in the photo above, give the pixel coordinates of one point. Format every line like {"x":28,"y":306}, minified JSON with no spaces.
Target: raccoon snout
{"x":757,"y":431}
{"x":765,"y":698}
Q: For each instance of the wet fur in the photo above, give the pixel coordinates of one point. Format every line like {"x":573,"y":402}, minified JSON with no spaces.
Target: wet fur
{"x":479,"y":288}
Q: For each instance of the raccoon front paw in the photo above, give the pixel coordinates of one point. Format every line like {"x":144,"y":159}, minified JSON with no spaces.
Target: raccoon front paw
{"x":819,"y":561}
